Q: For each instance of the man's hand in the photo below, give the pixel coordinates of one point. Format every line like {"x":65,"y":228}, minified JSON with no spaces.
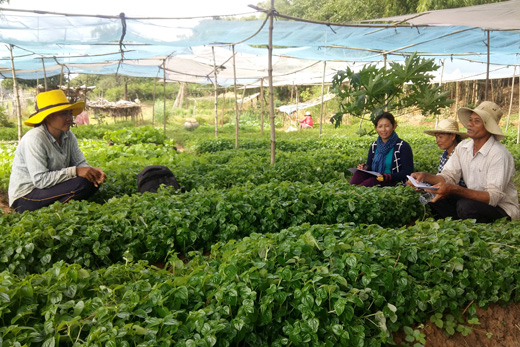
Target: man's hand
{"x":419,"y":177}
{"x":94,"y":175}
{"x":426,"y":178}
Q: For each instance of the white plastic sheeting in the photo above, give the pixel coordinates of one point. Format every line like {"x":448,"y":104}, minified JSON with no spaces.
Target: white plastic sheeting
{"x":143,"y":47}
{"x":495,"y":16}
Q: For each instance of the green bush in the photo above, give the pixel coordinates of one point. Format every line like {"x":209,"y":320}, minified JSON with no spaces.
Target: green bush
{"x":321,"y":285}
{"x":4,"y":120}
{"x":151,"y":226}
{"x":129,"y":136}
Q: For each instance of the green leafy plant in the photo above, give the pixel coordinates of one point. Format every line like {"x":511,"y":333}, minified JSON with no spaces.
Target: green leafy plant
{"x":308,"y":285}
{"x":373,"y":89}
{"x":4,"y":121}
{"x":415,"y":336}
{"x":150,"y":226}
{"x":128,"y":136}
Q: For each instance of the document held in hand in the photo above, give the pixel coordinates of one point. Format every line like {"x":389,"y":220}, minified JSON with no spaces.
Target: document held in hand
{"x":422,"y":185}
{"x":353,"y":170}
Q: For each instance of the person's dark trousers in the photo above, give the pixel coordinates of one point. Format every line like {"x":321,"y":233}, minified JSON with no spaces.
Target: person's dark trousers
{"x":77,"y":188}
{"x":461,"y":208}
{"x":364,"y":179}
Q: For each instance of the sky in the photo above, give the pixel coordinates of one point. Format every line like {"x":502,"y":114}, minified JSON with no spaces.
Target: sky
{"x":138,"y":8}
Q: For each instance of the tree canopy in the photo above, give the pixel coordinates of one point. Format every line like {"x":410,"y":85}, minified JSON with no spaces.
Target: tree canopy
{"x":341,"y":11}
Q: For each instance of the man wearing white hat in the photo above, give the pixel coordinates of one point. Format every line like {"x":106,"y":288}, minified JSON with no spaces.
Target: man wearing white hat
{"x":486,"y":166}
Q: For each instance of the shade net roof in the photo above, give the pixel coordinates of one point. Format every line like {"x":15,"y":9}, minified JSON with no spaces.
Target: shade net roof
{"x":190,"y":50}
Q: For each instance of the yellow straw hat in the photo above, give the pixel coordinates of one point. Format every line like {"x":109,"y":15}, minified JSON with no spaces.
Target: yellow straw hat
{"x":51,"y":102}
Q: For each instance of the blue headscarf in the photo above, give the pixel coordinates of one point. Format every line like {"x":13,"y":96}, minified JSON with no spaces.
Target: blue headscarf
{"x":378,"y":163}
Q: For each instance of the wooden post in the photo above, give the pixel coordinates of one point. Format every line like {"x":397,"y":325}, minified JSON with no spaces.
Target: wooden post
{"x":237,"y":128}
{"x":86,"y":88}
{"x":487,"y":68}
{"x":297,"y":96}
{"x":215,"y":89}
{"x":223,"y":113}
{"x":242,"y":101}
{"x":467,"y":92}
{"x":262,"y":106}
{"x":386,"y":95}
{"x":440,"y":84}
{"x":270,"y":77}
{"x":179,"y":99}
{"x":456,"y":95}
{"x":442,"y":72}
{"x":153,"y":107}
{"x":164,"y":95}
{"x":44,"y":75}
{"x":518,"y":130}
{"x":511,"y":101}
{"x":17,"y":95}
{"x":475,"y":90}
{"x":322,"y":91}
{"x":492,"y":91}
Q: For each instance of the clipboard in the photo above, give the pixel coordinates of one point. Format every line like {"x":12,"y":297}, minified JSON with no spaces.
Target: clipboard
{"x":375,"y":173}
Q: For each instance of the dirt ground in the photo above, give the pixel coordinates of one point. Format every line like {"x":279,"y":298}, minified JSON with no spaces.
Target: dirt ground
{"x":4,"y":205}
{"x":499,"y":327}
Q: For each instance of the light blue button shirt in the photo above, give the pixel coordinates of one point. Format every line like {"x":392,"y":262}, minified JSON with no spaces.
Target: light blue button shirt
{"x":40,"y":162}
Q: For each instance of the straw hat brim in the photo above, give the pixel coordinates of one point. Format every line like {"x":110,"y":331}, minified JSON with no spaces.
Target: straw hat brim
{"x":39,"y":117}
{"x":439,"y":131}
{"x":489,"y":122}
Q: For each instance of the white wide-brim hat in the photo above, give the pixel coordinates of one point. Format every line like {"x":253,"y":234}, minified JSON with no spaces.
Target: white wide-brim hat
{"x":447,"y":126}
{"x":490,"y":114}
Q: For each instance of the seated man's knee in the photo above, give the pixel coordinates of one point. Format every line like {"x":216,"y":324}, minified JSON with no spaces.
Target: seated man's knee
{"x":466,"y":209}
{"x":84,"y":189}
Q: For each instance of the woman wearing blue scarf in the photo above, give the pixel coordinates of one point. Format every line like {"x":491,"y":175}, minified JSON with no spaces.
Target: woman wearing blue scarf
{"x":390,"y":156}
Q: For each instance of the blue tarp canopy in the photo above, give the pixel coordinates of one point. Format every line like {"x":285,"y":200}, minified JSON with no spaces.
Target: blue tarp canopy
{"x":189,"y":49}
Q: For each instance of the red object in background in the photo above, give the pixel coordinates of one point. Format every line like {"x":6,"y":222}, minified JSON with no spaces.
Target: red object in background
{"x":82,"y":118}
{"x":307,"y":120}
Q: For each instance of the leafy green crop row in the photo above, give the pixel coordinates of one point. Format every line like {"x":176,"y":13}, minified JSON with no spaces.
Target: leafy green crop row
{"x":129,"y":136}
{"x":348,"y":285}
{"x":306,"y":160}
{"x":229,"y":168}
{"x":224,"y":169}
{"x":150,"y":226}
{"x":339,"y":142}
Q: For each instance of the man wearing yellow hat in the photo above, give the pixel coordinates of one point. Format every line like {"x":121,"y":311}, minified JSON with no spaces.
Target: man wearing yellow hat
{"x":486,"y":166}
{"x":48,"y":165}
